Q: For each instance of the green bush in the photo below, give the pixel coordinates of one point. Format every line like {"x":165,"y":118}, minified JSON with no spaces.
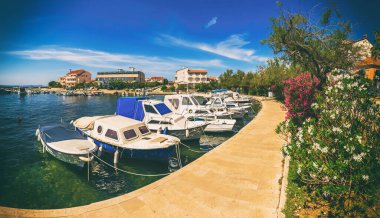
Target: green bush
{"x":336,"y":153}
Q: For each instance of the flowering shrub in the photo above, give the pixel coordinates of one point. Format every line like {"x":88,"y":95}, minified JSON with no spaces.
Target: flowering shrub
{"x":336,"y":153}
{"x":299,"y":95}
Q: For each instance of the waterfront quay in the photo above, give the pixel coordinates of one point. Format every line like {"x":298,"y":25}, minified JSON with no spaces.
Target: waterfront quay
{"x":240,"y":178}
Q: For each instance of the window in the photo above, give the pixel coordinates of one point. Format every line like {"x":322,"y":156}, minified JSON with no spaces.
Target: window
{"x":149,"y":109}
{"x":100,"y":129}
{"x":195,"y":101}
{"x":130,"y":134}
{"x":144,"y":130}
{"x":112,"y":134}
{"x":186,"y":101}
{"x":158,"y":122}
{"x":174,"y":102}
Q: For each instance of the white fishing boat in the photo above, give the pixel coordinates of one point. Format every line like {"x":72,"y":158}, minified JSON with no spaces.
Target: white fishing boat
{"x":218,"y":104}
{"x":116,"y":134}
{"x":188,"y":106}
{"x":66,"y":145}
{"x":159,"y":118}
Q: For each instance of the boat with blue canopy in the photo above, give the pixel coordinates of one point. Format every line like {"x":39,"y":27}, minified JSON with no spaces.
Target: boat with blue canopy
{"x":159,"y":118}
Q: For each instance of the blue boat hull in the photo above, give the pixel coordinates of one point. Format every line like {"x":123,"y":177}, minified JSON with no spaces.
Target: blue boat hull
{"x":160,"y":153}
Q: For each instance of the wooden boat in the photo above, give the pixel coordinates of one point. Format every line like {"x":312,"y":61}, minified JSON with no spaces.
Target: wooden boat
{"x":115,"y":133}
{"x":66,"y":145}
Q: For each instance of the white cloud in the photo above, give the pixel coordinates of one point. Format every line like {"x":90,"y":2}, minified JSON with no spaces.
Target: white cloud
{"x":232,"y":47}
{"x":100,"y":59}
{"x":211,"y":22}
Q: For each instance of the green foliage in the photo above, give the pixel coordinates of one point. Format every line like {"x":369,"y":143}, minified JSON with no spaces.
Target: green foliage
{"x":165,"y":82}
{"x":206,"y":87}
{"x":172,"y":88}
{"x":119,"y":85}
{"x":316,"y":48}
{"x":164,"y":88}
{"x":54,"y":84}
{"x":375,"y":50}
{"x":266,"y":77}
{"x":336,"y":153}
{"x":182,"y":87}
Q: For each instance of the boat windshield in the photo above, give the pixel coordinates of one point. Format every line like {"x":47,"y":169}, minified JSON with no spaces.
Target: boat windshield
{"x":186,"y":101}
{"x":144,"y":130}
{"x":194,"y":100}
{"x":149,"y":109}
{"x":162,"y":108}
{"x":130,"y":134}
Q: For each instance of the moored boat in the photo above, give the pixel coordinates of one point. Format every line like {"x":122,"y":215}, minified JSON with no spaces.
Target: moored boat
{"x":116,"y":134}
{"x":159,"y":118}
{"x":66,"y":145}
{"x":187,"y":105}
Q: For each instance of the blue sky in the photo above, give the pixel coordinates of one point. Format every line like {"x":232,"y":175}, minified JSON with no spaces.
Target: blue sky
{"x":41,"y":40}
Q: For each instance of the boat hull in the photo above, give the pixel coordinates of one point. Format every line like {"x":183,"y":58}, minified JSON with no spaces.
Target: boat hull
{"x":193,"y":134}
{"x":68,"y":158}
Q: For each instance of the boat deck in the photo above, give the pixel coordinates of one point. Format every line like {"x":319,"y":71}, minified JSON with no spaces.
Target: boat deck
{"x":67,"y":141}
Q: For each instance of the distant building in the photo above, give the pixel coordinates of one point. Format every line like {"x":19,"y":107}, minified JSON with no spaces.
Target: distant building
{"x":190,"y":76}
{"x":213,"y":78}
{"x":370,"y":67}
{"x":131,"y":75}
{"x":365,"y":47}
{"x":159,"y":79}
{"x":75,"y":77}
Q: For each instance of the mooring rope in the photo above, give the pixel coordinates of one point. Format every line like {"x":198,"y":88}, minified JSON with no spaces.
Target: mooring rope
{"x":128,"y":172}
{"x":188,"y":147}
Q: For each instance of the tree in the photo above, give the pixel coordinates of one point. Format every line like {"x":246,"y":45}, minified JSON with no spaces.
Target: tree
{"x":54,"y":84}
{"x":317,"y":48}
{"x":164,"y":88}
{"x":376,"y":47}
{"x":172,"y":88}
{"x":165,"y":82}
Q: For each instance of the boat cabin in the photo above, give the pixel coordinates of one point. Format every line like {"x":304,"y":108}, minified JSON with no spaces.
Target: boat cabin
{"x":115,"y":130}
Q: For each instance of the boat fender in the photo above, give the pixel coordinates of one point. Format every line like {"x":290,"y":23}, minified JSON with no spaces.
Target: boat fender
{"x":187,"y":132}
{"x":37,"y":132}
{"x":86,"y":159}
{"x":116,"y":156}
{"x":100,"y":151}
{"x":165,"y":132}
{"x":159,"y":130}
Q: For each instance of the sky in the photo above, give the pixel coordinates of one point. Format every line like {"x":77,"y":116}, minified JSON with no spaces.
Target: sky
{"x":41,"y":40}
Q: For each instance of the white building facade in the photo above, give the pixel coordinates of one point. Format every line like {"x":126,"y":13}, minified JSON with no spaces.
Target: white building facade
{"x":191,"y":76}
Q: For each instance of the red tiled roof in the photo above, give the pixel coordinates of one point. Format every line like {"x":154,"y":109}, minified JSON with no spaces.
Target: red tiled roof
{"x":197,"y":71}
{"x":369,"y":61}
{"x":77,"y":72}
{"x":212,"y":78}
{"x":157,"y":77}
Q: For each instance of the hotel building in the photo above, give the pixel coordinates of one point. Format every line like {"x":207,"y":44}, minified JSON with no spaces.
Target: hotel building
{"x":131,"y":76}
{"x":75,"y":77}
{"x":190,"y":76}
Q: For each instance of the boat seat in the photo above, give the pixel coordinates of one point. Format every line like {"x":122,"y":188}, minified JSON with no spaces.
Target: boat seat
{"x":159,"y":139}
